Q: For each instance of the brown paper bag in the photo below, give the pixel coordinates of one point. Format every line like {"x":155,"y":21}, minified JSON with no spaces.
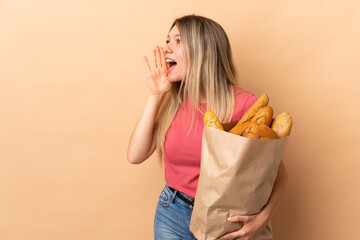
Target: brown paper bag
{"x":236,"y":178}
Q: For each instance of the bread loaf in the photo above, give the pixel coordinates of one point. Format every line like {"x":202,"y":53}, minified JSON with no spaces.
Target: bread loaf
{"x":262,"y":101}
{"x":256,"y":122}
{"x":240,"y":128}
{"x":211,"y":120}
{"x":255,"y":130}
{"x":282,"y":124}
{"x":265,"y":132}
{"x":263,"y":116}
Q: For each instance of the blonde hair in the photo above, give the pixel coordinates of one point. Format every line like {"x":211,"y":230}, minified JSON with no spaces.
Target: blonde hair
{"x":209,"y":73}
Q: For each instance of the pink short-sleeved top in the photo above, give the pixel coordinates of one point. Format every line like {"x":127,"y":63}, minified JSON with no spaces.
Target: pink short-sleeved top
{"x":182,"y":150}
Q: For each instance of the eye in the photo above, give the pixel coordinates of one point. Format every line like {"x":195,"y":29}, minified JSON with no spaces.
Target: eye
{"x":178,"y":41}
{"x":167,"y":41}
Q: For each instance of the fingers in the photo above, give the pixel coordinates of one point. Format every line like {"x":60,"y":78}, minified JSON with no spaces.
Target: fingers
{"x":159,"y":60}
{"x":238,"y":219}
{"x":231,"y":235}
{"x":158,"y":57}
{"x":247,"y":230}
{"x":154,"y":58}
{"x":147,"y":65}
{"x":163,"y":58}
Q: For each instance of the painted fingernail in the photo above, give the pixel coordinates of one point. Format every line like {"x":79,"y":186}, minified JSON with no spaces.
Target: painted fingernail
{"x":229,"y":219}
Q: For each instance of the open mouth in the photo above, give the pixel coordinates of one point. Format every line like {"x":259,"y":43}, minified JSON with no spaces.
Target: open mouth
{"x":171,"y":64}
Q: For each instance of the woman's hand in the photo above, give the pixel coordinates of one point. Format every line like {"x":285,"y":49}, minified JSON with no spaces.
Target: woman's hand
{"x":252,"y":226}
{"x":255,"y":224}
{"x":158,"y":78}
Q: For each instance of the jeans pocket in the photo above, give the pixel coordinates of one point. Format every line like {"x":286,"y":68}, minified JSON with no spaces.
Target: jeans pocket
{"x":165,"y":197}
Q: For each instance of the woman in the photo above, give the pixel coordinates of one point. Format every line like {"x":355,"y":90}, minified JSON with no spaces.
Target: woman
{"x":192,"y":73}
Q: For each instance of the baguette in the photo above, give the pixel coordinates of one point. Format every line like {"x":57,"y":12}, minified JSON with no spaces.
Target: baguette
{"x":265,"y":132}
{"x":255,"y":130}
{"x":261,"y":102}
{"x":263,"y":116}
{"x":241,"y":128}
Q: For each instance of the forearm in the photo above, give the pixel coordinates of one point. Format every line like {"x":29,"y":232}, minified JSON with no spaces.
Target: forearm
{"x":141,"y":140}
{"x":278,"y":191}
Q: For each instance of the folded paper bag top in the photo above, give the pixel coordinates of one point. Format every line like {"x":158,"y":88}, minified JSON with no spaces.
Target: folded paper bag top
{"x":237,"y":176}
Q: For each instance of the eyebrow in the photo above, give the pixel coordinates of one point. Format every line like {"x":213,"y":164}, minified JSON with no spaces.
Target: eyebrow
{"x":176,"y":35}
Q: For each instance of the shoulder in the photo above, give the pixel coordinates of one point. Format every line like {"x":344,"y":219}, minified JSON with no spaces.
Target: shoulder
{"x":241,"y":95}
{"x":243,"y":101}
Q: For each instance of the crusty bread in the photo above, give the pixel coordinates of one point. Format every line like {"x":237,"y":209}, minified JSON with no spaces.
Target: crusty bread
{"x":254,"y":130}
{"x":211,"y":120}
{"x":265,"y":132}
{"x":282,"y":124}
{"x":239,"y":129}
{"x":256,"y":122}
{"x":250,"y":130}
{"x":262,"y":101}
{"x":263,"y":116}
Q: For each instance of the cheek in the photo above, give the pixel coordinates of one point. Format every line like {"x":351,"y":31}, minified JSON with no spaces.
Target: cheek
{"x":181,"y":63}
{"x":180,"y":56}
{"x":181,"y":67}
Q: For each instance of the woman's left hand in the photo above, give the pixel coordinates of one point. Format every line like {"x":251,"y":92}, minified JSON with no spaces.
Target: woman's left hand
{"x":252,"y":226}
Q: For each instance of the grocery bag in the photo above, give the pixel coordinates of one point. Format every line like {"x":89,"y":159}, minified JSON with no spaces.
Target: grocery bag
{"x":237,"y":175}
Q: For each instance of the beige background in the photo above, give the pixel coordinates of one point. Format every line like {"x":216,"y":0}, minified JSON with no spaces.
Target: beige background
{"x":73,"y":85}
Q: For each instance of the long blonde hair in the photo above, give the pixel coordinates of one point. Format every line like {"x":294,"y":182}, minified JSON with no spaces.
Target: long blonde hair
{"x":209,"y":73}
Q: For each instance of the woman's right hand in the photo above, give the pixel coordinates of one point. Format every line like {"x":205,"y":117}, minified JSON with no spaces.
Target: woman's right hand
{"x":157,"y":75}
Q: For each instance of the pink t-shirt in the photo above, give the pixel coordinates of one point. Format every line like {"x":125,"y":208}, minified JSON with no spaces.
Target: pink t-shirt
{"x":182,"y":151}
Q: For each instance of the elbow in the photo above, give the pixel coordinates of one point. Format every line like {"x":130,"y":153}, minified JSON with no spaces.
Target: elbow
{"x":134,"y":158}
{"x":131,"y":155}
{"x":130,"y":160}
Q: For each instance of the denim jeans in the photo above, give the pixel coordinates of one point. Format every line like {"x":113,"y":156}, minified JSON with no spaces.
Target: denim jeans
{"x":172,"y":217}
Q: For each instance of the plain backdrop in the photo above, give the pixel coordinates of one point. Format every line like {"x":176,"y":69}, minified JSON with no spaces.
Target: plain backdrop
{"x":73,"y":86}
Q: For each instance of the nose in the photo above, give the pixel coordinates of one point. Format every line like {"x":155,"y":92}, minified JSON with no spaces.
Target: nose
{"x":167,"y":48}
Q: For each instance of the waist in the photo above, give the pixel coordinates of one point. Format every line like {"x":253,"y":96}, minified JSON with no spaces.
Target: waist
{"x":180,"y":195}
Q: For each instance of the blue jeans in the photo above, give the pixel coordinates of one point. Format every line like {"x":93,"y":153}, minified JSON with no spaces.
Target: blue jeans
{"x":172,"y":217}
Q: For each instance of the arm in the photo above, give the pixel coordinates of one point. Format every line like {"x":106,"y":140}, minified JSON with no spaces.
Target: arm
{"x":141,"y":144}
{"x":255,"y":224}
